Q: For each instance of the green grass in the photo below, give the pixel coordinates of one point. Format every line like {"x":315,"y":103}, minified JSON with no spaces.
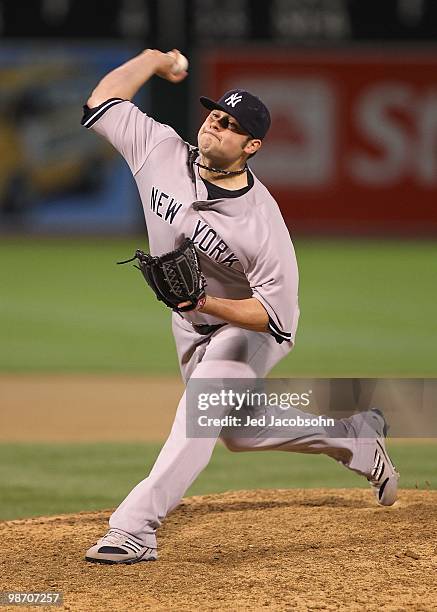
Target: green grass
{"x":368,"y":309}
{"x":70,"y":308}
{"x":44,"y":479}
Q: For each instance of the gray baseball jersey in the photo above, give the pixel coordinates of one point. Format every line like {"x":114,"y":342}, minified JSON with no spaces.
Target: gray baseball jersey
{"x":244,"y":246}
{"x":245,"y":250}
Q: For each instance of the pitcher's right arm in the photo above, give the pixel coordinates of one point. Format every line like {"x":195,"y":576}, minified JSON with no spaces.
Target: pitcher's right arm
{"x":125,"y":81}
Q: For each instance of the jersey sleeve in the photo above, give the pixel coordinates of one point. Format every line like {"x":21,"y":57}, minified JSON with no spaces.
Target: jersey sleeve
{"x":133,"y":133}
{"x":273,"y":278}
{"x":270,"y":265}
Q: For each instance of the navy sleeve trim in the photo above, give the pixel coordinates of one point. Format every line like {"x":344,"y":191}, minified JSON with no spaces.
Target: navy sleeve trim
{"x":91,"y":115}
{"x":279,"y":335}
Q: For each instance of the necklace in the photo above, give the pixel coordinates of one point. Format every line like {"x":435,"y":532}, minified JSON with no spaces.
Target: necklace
{"x":227,"y":172}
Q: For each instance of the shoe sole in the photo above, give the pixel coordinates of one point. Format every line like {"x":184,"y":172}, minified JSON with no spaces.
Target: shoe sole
{"x":122,"y":561}
{"x":112,"y":562}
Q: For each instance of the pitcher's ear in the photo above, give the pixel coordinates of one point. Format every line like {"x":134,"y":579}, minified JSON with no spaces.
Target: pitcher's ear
{"x":252,"y":146}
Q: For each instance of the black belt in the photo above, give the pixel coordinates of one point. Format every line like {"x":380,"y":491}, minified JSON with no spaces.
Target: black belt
{"x":205,"y":330}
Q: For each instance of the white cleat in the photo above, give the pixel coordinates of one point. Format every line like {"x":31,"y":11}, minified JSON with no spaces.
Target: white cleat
{"x":383,"y":477}
{"x":116,"y":547}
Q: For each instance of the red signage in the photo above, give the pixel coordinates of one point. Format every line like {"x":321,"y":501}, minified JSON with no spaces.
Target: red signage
{"x":353,"y":142}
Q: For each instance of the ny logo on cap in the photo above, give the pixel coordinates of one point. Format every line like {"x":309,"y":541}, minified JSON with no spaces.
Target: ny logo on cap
{"x":233,"y":99}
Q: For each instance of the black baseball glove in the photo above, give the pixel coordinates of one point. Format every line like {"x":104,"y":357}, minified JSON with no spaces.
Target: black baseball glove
{"x":175,"y":277}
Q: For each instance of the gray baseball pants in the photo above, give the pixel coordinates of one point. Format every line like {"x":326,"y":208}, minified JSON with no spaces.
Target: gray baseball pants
{"x":230,"y":352}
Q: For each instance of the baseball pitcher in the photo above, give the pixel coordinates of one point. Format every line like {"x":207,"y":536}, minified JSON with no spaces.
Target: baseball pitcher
{"x":221,"y":257}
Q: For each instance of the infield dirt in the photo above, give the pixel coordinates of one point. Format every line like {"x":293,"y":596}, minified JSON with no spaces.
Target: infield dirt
{"x":86,"y":407}
{"x":247,"y":550}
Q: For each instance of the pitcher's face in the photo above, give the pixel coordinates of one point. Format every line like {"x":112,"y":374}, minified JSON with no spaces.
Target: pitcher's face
{"x":222,"y":140}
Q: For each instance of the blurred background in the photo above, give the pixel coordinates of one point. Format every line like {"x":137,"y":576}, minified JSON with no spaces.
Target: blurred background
{"x":351,"y":158}
{"x":350,"y":85}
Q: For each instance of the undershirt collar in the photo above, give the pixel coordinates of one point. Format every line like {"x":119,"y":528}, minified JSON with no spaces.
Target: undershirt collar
{"x":217,"y":193}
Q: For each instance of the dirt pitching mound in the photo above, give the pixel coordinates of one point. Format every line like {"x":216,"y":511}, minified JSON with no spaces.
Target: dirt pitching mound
{"x":245,"y":550}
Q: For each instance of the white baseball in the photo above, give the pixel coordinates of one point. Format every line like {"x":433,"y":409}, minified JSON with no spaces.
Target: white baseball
{"x":180,"y":64}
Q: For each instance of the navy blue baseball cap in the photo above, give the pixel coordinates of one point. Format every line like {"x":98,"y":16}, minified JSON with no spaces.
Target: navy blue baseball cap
{"x":247,"y":109}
